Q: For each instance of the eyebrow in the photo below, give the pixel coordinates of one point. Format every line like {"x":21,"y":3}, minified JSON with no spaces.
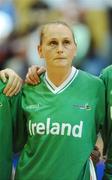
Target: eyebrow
{"x":53,"y":38}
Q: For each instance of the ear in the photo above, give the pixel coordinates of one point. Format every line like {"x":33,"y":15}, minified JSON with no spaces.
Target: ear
{"x":39,"y":48}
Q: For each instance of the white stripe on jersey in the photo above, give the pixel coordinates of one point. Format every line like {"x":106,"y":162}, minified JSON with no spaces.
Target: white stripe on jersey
{"x":92,"y":170}
{"x":64,"y":85}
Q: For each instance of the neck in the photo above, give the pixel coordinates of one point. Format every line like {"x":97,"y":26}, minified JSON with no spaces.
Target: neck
{"x":58,"y":76}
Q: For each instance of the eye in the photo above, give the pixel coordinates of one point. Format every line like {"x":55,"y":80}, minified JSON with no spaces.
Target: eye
{"x":66,"y":42}
{"x":52,"y":43}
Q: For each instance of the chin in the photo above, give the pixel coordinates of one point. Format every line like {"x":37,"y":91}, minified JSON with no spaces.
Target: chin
{"x":62,"y":64}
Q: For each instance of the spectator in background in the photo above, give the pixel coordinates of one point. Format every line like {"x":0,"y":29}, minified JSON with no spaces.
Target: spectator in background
{"x":109,"y":44}
{"x":94,"y":15}
{"x":96,"y":18}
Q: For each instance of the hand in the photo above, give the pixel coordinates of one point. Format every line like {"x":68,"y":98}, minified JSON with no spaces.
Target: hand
{"x":95,"y":155}
{"x":32,"y":76}
{"x":14,"y":82}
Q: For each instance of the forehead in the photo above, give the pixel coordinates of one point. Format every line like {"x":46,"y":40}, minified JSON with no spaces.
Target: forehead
{"x":57,"y":31}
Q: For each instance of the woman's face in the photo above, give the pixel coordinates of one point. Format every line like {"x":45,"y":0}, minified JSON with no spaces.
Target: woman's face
{"x":58,"y":47}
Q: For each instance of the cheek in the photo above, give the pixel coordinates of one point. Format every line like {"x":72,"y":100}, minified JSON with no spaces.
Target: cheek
{"x":49,"y":52}
{"x":72,"y":54}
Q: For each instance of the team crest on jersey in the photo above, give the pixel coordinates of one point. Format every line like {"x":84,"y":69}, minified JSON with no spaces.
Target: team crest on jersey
{"x":33,"y":106}
{"x":82,"y":107}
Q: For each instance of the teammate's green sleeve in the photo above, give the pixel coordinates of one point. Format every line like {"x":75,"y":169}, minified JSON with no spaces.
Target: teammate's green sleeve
{"x":106,"y":76}
{"x":19,"y":124}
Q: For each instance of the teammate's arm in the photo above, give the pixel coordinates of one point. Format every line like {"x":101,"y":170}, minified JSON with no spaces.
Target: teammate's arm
{"x":14,"y":82}
{"x":95,"y":155}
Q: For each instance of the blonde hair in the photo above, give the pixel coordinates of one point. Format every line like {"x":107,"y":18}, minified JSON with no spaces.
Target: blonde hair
{"x":43,"y":27}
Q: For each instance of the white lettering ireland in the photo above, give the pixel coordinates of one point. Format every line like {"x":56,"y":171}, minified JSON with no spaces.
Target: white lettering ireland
{"x":56,"y":128}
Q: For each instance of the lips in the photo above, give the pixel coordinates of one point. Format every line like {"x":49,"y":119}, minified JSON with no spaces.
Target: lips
{"x":60,"y":58}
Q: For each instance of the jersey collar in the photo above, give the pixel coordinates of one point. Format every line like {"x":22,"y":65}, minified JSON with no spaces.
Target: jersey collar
{"x":64,"y":85}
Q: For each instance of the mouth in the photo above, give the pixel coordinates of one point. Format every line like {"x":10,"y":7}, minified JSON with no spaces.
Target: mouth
{"x":60,"y":58}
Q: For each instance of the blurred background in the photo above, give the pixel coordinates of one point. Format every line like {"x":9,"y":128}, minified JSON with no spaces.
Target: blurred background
{"x":91,"y":22}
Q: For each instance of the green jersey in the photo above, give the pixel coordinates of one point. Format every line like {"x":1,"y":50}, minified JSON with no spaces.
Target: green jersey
{"x":62,"y":125}
{"x":6,"y":132}
{"x":106,"y":75}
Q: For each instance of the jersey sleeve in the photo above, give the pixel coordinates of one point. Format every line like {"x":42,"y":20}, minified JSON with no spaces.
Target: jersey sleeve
{"x":107,"y":130}
{"x":106,"y":126}
{"x":100,"y":114}
{"x":19,"y":123}
{"x":108,"y":122}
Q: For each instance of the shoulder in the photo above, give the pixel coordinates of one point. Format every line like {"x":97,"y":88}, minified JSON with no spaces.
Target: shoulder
{"x":27,"y":86}
{"x":30,"y":87}
{"x":91,"y":79}
{"x":2,"y":86}
{"x":107,"y":69}
{"x":106,"y":73}
{"x":5,"y":98}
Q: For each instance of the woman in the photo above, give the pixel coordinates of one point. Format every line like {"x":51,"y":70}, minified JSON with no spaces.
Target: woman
{"x":62,"y":115}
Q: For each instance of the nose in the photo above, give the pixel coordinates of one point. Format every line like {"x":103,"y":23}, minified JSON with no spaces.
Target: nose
{"x":60,"y":48}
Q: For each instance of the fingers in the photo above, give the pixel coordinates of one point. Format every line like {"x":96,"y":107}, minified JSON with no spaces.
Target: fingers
{"x":96,"y":148}
{"x":28,"y":80}
{"x":13,"y":86}
{"x":3,"y":76}
{"x":16,"y":90}
{"x":95,"y":156}
{"x":32,"y":75}
{"x":41,"y":70}
{"x":14,"y":82}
